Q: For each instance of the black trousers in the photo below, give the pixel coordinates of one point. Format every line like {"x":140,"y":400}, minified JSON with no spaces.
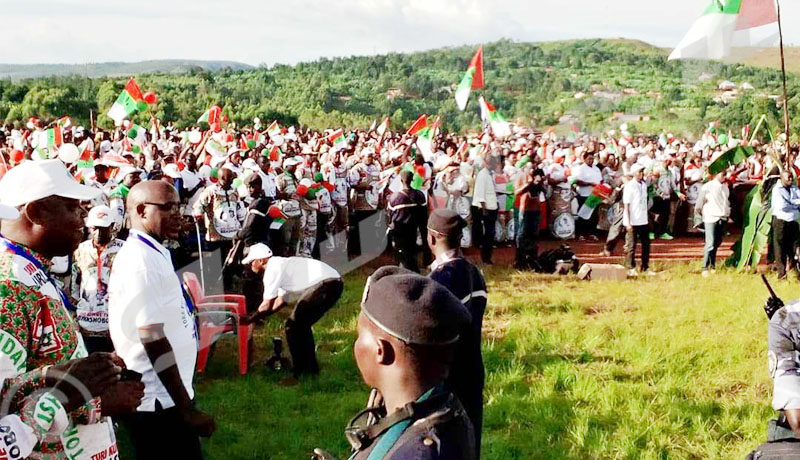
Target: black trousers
{"x":483,"y":226}
{"x":405,"y":246}
{"x":162,"y":435}
{"x":785,"y":237}
{"x":661,"y":210}
{"x":637,"y":234}
{"x":252,"y":288}
{"x":314,"y":303}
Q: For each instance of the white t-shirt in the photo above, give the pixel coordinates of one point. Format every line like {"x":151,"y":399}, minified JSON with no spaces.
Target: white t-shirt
{"x":145,"y":290}
{"x":634,"y":194}
{"x":293,"y":275}
{"x":589,"y":174}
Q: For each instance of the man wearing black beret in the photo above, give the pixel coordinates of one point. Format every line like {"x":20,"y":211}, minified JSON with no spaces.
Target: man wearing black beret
{"x":407,"y":331}
{"x":466,"y":282}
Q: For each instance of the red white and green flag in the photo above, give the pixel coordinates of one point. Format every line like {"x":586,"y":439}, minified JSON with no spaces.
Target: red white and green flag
{"x":723,"y":21}
{"x":211,"y":116}
{"x":473,"y":79}
{"x":51,"y":138}
{"x":274,"y":153}
{"x":600,"y":192}
{"x":425,"y":140}
{"x":64,"y":122}
{"x":337,"y":139}
{"x":130,"y":101}
{"x":418,"y":125}
{"x":86,"y":160}
{"x":489,"y":114}
{"x":383,"y":127}
{"x":274,"y":129}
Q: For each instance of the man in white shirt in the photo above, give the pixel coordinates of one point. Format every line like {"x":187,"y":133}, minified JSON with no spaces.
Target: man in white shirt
{"x":316,"y":286}
{"x":634,"y":219}
{"x":715,"y":207}
{"x":484,"y":210}
{"x":152,"y":325}
{"x":587,"y":176}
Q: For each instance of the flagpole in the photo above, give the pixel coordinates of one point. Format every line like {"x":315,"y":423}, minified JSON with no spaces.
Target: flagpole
{"x":783,"y":72}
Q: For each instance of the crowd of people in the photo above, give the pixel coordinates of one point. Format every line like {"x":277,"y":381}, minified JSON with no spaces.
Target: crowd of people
{"x":96,"y":222}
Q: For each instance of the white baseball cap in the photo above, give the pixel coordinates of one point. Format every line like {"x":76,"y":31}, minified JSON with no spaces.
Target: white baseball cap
{"x":172,"y":170}
{"x":99,"y":216}
{"x":256,"y":252}
{"x":8,"y":213}
{"x":34,"y":180}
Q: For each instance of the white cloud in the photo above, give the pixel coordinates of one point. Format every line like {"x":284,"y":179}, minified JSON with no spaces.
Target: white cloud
{"x":270,"y":31}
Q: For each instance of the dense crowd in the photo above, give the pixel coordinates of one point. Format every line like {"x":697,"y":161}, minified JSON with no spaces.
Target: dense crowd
{"x":308,"y":188}
{"x":271,"y":202}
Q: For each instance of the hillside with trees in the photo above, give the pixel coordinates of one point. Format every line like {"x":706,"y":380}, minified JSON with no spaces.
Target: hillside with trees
{"x":593,"y":84}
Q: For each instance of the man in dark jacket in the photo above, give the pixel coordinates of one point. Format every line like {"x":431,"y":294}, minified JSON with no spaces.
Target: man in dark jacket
{"x":466,"y":282}
{"x":255,"y":230}
{"x":404,"y":219}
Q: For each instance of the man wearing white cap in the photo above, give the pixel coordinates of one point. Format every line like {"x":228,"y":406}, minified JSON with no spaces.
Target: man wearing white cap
{"x":634,"y":218}
{"x":41,"y":341}
{"x":316,"y":286}
{"x":91,"y":268}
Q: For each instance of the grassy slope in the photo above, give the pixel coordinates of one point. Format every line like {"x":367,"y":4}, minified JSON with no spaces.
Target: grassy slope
{"x":769,"y":58}
{"x":670,"y":367}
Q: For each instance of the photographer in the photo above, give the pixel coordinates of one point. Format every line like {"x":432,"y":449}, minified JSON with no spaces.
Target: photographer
{"x":530,"y":193}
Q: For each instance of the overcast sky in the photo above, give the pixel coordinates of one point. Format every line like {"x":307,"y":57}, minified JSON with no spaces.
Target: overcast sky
{"x":289,"y":31}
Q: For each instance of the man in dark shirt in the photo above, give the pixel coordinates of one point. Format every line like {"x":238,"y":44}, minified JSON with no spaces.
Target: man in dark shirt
{"x":404,"y":217}
{"x":466,"y":282}
{"x":255,"y":230}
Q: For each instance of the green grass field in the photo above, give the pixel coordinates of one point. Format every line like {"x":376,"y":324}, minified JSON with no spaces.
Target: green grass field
{"x":672,"y":366}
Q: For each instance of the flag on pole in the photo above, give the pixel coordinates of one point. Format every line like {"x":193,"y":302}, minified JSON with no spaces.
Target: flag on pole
{"x":274,"y":129}
{"x":383,"y":127}
{"x":418,"y":125}
{"x":711,"y":36}
{"x":51,"y":138}
{"x":86,"y":160}
{"x":489,"y":113}
{"x":472,"y":79}
{"x":64,"y":122}
{"x":337,"y":139}
{"x":599,"y":193}
{"x":129,"y":101}
{"x":211,"y":116}
{"x":425,"y":140}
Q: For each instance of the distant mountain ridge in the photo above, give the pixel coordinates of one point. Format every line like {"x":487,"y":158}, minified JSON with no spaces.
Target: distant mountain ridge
{"x":115,"y":69}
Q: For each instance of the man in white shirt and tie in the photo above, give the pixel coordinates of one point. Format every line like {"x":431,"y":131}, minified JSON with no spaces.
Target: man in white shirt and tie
{"x":484,"y":209}
{"x":634,"y":219}
{"x":152,"y":325}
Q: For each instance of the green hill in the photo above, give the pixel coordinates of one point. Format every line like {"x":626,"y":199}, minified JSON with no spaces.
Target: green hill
{"x":114,"y":69}
{"x":596,"y":84}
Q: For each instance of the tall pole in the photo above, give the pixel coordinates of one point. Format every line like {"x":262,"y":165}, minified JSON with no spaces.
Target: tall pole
{"x":783,"y":72}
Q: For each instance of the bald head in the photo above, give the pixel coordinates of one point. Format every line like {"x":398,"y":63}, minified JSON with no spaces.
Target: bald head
{"x":154,"y":208}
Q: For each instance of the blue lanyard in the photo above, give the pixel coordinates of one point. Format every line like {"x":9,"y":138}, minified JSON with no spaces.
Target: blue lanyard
{"x":186,"y":297}
{"x":16,"y":250}
{"x":389,"y":439}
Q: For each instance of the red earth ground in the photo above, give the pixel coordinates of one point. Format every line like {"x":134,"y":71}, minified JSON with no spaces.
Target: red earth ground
{"x":681,"y":249}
